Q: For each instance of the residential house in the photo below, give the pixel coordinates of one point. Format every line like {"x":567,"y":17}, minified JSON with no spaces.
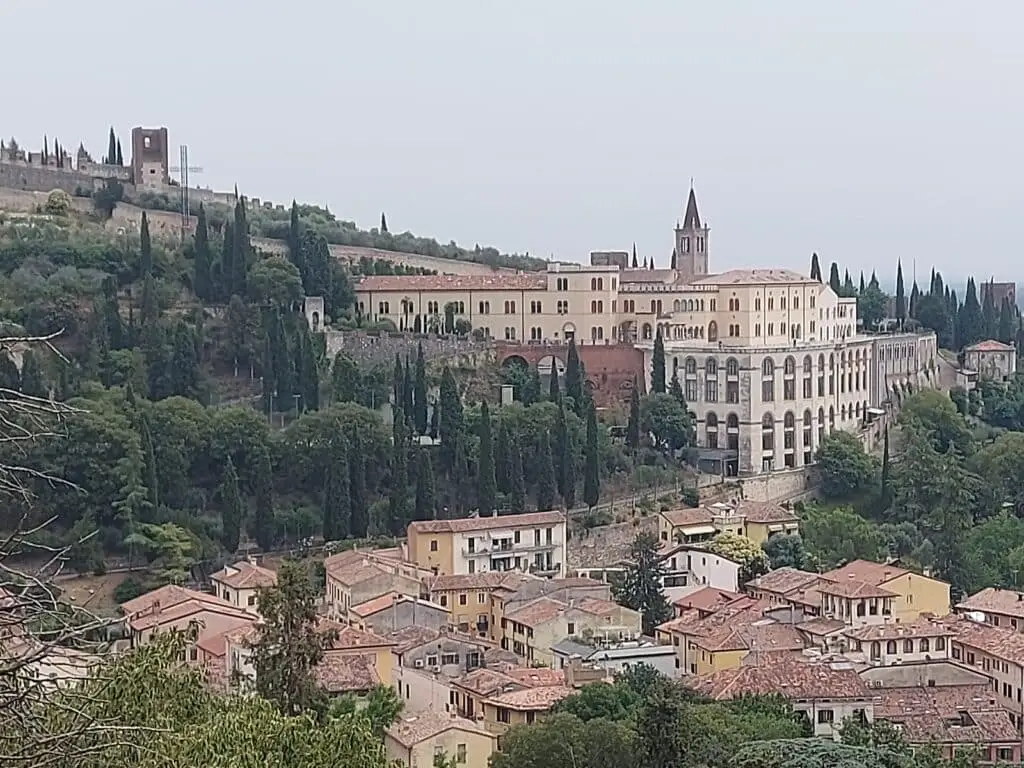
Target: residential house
{"x":531,"y":630}
{"x":354,"y":578}
{"x":992,"y":359}
{"x":533,"y":542}
{"x":688,"y":525}
{"x":787,"y":586}
{"x":417,"y":739}
{"x":826,"y":694}
{"x":508,"y":598}
{"x":762,"y":520}
{"x":393,"y":611}
{"x":997,"y":653}
{"x":915,"y":594}
{"x":705,"y":601}
{"x":467,"y":596}
{"x":688,"y":568}
{"x":499,"y":699}
{"x":239,"y":584}
{"x":614,"y":657}
{"x":753,"y":519}
{"x":856,"y":602}
{"x":998,"y":607}
{"x":172,"y":608}
{"x":820,"y":633}
{"x":730,"y":644}
{"x":888,"y":644}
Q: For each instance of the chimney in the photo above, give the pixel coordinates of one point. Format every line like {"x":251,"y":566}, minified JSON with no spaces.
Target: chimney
{"x":885,"y":574}
{"x":494,"y":513}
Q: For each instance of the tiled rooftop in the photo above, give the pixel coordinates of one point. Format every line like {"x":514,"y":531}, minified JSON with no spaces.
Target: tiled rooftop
{"x":538,"y":611}
{"x":921,"y":628}
{"x":788,"y":676}
{"x":165,"y":597}
{"x":1005,"y":602}
{"x":990,"y":345}
{"x":349,"y":672}
{"x":350,"y":637}
{"x":820,"y":627}
{"x":853,"y":589}
{"x":485,"y":580}
{"x":537,"y":699}
{"x":765,"y":512}
{"x":354,"y":571}
{"x":185,"y":610}
{"x":532,"y":281}
{"x":407,"y":638}
{"x":1004,"y":643}
{"x":762,"y":635}
{"x":245,"y":575}
{"x":866,"y":570}
{"x":755,"y":277}
{"x":781,"y":581}
{"x":412,"y":729}
{"x":705,"y":599}
{"x":469,"y":524}
{"x":684,"y":517}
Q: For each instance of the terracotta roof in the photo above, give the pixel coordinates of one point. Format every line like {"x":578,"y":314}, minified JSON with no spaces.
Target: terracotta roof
{"x":352,"y":572}
{"x":765,"y":512}
{"x":166,"y":597}
{"x":215,"y":645}
{"x":495,"y":282}
{"x":350,"y":637}
{"x":942,"y":700}
{"x":1005,"y":602}
{"x":185,"y":610}
{"x":988,"y":727}
{"x":853,"y":588}
{"x":485,"y":580}
{"x":347,"y":672}
{"x":407,"y":638}
{"x":411,"y":730}
{"x":820,"y":627}
{"x":705,"y":599}
{"x":742,"y":609}
{"x":487,"y":682}
{"x":762,"y":635}
{"x":990,"y":345}
{"x":958,"y":714}
{"x":866,"y":570}
{"x":542,"y":699}
{"x":538,"y":611}
{"x":1004,"y":643}
{"x":467,"y":524}
{"x":484,"y":681}
{"x":688,"y":516}
{"x":597,"y":606}
{"x":385,"y":601}
{"x":245,"y":575}
{"x":922,"y":628}
{"x":788,"y":676}
{"x":538,"y":676}
{"x":755,"y":277}
{"x":783,"y":580}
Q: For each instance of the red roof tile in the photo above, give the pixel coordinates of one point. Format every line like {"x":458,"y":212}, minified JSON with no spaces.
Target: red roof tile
{"x":414,"y":283}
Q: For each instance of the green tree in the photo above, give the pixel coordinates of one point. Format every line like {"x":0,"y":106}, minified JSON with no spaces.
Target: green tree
{"x":517,"y":482}
{"x":815,"y":268}
{"x":346,"y":384}
{"x":502,"y":457}
{"x":275,"y":281}
{"x":111,"y":157}
{"x":640,"y":588}
{"x":675,"y":389}
{"x":554,"y":390}
{"x":901,"y":296}
{"x":786,"y":550}
{"x":264,"y":523}
{"x":33,"y":380}
{"x":833,"y":279}
{"x":317,"y":255}
{"x":547,"y":489}
{"x":839,"y":535}
{"x":592,"y":468}
{"x":145,"y":248}
{"x":753,"y":560}
{"x":970,"y":321}
{"x":288,"y":646}
{"x":886,"y":498}
{"x":566,"y":460}
{"x":202,"y":283}
{"x":357,"y":488}
{"x":662,"y":416}
{"x":871,"y":305}
{"x":658,"y":365}
{"x":149,"y":457}
{"x":170,"y":550}
{"x":564,"y":740}
{"x":574,"y":378}
{"x":309,"y":369}
{"x":337,"y":501}
{"x":451,"y":420}
{"x":633,"y":426}
{"x":226,"y":265}
{"x":241,"y":249}
{"x":487,"y":489}
{"x":1007,"y":325}
{"x":398,"y":496}
{"x":232,"y":510}
{"x":420,"y":392}
{"x":843,"y":467}
{"x":295,"y":243}
{"x":426,"y":504}
{"x":529,"y":393}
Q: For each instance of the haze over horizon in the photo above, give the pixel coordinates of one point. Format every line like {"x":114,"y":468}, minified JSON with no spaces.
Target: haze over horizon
{"x":866,"y":132}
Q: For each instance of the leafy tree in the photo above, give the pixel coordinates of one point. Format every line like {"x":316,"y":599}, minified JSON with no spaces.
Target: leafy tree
{"x":547,"y":489}
{"x":33,"y":380}
{"x":614,"y":702}
{"x":487,"y":489}
{"x":288,"y":646}
{"x":840,"y":535}
{"x":658,"y":365}
{"x":933,"y":415}
{"x":565,"y":740}
{"x":662,"y":416}
{"x":398,"y":497}
{"x":275,"y":281}
{"x":675,"y":389}
{"x":232,"y":510}
{"x":170,"y":550}
{"x":337,"y":501}
{"x":420,"y":392}
{"x":380,"y":708}
{"x":633,"y":425}
{"x":345,"y":379}
{"x":451,"y":421}
{"x":871,"y":305}
{"x":529,"y":392}
{"x":426,"y":504}
{"x":970,"y":321}
{"x":640,"y":588}
{"x":263,"y":519}
{"x":886,"y":498}
{"x":751,"y":558}
{"x":592,"y":469}
{"x":786,"y":550}
{"x":843,"y":466}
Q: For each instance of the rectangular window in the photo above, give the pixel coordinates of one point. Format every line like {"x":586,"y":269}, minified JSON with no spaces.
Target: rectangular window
{"x":757,"y":329}
{"x":789,"y":389}
{"x":691,"y":390}
{"x":433,"y":545}
{"x":460,"y":753}
{"x":767,"y":391}
{"x":711,"y":391}
{"x":732,"y":392}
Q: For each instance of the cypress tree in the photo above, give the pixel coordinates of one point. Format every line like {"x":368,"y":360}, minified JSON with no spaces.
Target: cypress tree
{"x":398,"y":497}
{"x":989,"y":314}
{"x":815,"y":268}
{"x":848,"y":289}
{"x":633,"y":426}
{"x":149,"y":459}
{"x":150,"y":310}
{"x":434,"y":414}
{"x":658,"y":364}
{"x":264,"y":524}
{"x":634,"y":256}
{"x":1007,"y":322}
{"x":46,"y":150}
{"x":202,"y":283}
{"x":145,"y":248}
{"x":449,"y":420}
{"x":408,"y":384}
{"x":833,"y":279}
{"x":184,"y":368}
{"x":886,"y":488}
{"x":120,"y":157}
{"x":226,"y":267}
{"x":529,"y":393}
{"x":357,"y":487}
{"x":269,"y":379}
{"x":574,"y":378}
{"x":502,"y":458}
{"x":676,"y":390}
{"x":971,"y":323}
{"x":111,"y":158}
{"x":861,"y":288}
{"x":592,"y":469}
{"x":337,"y":501}
{"x":873,"y":282}
{"x":426,"y":504}
{"x":295,"y":252}
{"x":232,"y":510}
{"x":398,"y":383}
{"x":309,"y":374}
{"x":554,"y":391}
{"x":901,"y":296}
{"x":915,"y":297}
{"x":517,"y":482}
{"x":547,"y":491}
{"x":487,"y":490}
{"x":33,"y":380}
{"x":383,"y":222}
{"x":240,"y":249}
{"x":566,"y":460}
{"x":285,"y":374}
{"x":420,"y":392}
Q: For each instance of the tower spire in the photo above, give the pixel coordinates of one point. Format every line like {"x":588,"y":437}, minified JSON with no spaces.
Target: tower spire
{"x":691,"y":219}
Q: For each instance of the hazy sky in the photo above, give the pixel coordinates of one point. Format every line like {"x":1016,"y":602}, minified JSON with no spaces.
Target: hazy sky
{"x":865,"y":130}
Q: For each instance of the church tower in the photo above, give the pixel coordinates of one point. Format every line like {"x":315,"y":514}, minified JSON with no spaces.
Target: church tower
{"x":691,"y":249}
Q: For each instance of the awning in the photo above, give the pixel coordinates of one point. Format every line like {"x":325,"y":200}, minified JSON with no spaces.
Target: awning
{"x":776,"y":527}
{"x":699,"y":530}
{"x":876,"y":411}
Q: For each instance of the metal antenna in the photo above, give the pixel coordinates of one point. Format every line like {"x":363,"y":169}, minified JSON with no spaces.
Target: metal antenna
{"x":183,"y":169}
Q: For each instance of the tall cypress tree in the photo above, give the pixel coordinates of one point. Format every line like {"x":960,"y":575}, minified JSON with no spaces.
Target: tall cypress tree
{"x":408,"y":403}
{"x":848,"y":287}
{"x":426,"y":504}
{"x":269,"y":379}
{"x":357,"y":487}
{"x":886,"y":487}
{"x":398,"y":383}
{"x":240,"y":249}
{"x":971,"y":322}
{"x":633,"y":426}
{"x":337,"y":501}
{"x":502,"y":458}
{"x":398,"y":497}
{"x":566,"y":460}
{"x":592,"y":468}
{"x":264,"y":524}
{"x":449,"y":419}
{"x":547,"y":491}
{"x":861,"y":286}
{"x":487,"y":489}
{"x":658,"y":364}
{"x":1007,"y":322}
{"x":145,"y":248}
{"x":833,"y":279}
{"x":420,"y":392}
{"x":915,"y":297}
{"x":149,"y":457}
{"x":111,"y":158}
{"x":554,"y":391}
{"x":517,"y":482}
{"x":295,"y":250}
{"x":635,"y":265}
{"x":232,"y":510}
{"x":574,"y":378}
{"x":309,"y":374}
{"x":227,"y":268}
{"x":901,"y":296}
{"x":120,"y":157}
{"x":815,"y":268}
{"x":202,"y":284}
{"x":383,"y":222}
{"x":989,"y":314}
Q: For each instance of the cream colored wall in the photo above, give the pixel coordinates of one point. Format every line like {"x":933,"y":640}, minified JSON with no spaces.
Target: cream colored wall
{"x":420,"y":551}
{"x":240,"y":598}
{"x":478,"y":749}
{"x":918,"y":594}
{"x":525,"y":549}
{"x":716,"y":661}
{"x":759,"y":532}
{"x":1002,"y":671}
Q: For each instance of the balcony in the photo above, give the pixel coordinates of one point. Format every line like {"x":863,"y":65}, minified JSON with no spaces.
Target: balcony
{"x":546,"y":570}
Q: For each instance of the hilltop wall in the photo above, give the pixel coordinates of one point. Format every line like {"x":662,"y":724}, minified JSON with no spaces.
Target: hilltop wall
{"x":44,"y":179}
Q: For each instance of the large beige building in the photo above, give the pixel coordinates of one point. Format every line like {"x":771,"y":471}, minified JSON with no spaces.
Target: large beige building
{"x":770,"y":361}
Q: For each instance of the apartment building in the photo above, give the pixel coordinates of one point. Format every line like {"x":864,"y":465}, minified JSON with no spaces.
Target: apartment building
{"x":507,"y":599}
{"x":998,"y":607}
{"x":416,"y":740}
{"x":467,"y":596}
{"x":996,"y":652}
{"x":924,"y":640}
{"x":914,"y":593}
{"x":393,"y":611}
{"x":239,"y":584}
{"x":354,"y":577}
{"x":532,"y":542}
{"x":513,"y":696}
{"x":755,"y":520}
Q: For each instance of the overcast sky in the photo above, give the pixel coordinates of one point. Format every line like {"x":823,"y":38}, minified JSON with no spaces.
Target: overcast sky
{"x":866,"y":130}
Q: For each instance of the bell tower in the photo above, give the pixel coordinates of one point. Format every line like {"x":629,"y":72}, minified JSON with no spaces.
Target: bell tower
{"x":691,"y":247}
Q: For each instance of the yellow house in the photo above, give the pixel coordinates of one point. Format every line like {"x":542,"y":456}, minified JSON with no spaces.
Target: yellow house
{"x":727,"y":647}
{"x":685,"y":630}
{"x":755,"y":520}
{"x":467,"y":596}
{"x":515,"y":696}
{"x":913,"y":593}
{"x":688,"y":525}
{"x":417,"y":739}
{"x":764,"y":519}
{"x":239,"y":584}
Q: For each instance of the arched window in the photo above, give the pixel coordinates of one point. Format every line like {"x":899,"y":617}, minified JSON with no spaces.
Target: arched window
{"x":691,"y":367}
{"x":732,"y":366}
{"x":890,"y":647}
{"x":711,"y":430}
{"x":712,"y":331}
{"x":821,"y":424}
{"x":711,"y":367}
{"x":842,"y":413}
{"x":808,"y":364}
{"x":789,"y":420}
{"x":646,"y":332}
{"x":789,"y":366}
{"x":925,"y":645}
{"x":654,"y":307}
{"x":767,"y":432}
{"x":808,"y":427}
{"x":831,"y":418}
{"x":675,"y":305}
{"x":768,"y":367}
{"x":732,"y":432}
